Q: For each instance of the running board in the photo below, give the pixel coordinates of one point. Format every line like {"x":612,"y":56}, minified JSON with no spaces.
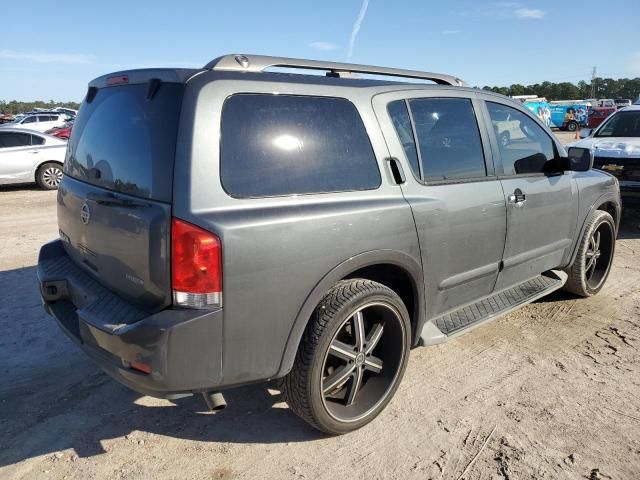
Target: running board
{"x":440,"y":329}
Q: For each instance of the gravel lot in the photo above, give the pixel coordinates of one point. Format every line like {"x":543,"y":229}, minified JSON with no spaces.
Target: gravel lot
{"x":551,"y":391}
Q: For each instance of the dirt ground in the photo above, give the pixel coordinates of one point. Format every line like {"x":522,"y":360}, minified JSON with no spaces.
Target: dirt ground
{"x":551,"y":391}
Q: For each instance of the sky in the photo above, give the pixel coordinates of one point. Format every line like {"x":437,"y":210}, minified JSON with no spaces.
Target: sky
{"x":53,"y":49}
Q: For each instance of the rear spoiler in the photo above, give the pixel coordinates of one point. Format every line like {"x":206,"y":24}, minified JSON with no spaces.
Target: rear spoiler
{"x":143,"y":75}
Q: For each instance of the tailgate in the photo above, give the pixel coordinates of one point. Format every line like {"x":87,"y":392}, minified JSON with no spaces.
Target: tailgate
{"x":120,"y":240}
{"x":114,"y":203}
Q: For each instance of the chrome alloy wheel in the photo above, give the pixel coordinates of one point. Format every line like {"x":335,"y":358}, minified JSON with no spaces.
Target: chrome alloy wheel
{"x":362,"y":362}
{"x":598,"y":255}
{"x":52,"y":177}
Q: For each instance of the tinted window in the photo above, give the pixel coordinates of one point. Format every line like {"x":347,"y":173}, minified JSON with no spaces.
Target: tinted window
{"x":12,"y":139}
{"x":36,"y":140}
{"x":402,"y":123}
{"x":622,"y":124}
{"x":448,"y":138}
{"x":30,"y":120}
{"x":524,"y":145}
{"x":281,"y":145}
{"x":124,"y":142}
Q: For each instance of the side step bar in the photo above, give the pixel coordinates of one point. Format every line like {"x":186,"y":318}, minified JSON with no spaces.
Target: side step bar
{"x":440,"y":329}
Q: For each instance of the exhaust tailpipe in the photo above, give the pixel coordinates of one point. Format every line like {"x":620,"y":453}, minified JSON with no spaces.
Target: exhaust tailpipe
{"x":215,"y":401}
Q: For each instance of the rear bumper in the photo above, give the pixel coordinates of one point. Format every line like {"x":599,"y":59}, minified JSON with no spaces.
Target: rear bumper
{"x":182,"y":347}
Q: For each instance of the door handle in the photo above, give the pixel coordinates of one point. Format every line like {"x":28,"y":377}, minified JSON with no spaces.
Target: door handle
{"x":396,"y":170}
{"x":517,"y":198}
{"x":33,"y":152}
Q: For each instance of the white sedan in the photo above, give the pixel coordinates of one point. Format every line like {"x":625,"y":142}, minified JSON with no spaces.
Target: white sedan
{"x":30,"y":156}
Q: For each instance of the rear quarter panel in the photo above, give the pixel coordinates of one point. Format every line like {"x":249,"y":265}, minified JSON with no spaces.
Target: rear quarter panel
{"x":48,"y":153}
{"x":277,"y":250}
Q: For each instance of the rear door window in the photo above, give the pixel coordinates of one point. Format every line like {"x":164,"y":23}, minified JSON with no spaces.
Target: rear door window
{"x":125,"y":142}
{"x":449,"y":144}
{"x":275,"y":145}
{"x":37,"y":140}
{"x":402,"y":123}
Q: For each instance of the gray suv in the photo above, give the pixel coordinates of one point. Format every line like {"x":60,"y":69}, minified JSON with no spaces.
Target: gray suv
{"x":235,"y":224}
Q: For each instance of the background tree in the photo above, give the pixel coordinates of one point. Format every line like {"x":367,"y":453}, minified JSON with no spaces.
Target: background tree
{"x":604,"y":88}
{"x":13,"y":107}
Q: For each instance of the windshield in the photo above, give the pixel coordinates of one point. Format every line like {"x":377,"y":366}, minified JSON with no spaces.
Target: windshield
{"x":622,"y":124}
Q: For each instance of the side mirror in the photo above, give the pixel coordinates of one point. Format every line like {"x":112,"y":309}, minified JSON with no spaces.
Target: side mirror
{"x":580,"y":159}
{"x":586,"y":132}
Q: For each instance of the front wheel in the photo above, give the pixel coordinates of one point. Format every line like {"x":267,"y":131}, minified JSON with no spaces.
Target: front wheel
{"x":592,"y":264}
{"x":352,"y":357}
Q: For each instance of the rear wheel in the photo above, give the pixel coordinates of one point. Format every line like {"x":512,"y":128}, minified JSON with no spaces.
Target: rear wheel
{"x":593,"y":261}
{"x":352,"y":357}
{"x":49,"y":176}
{"x":572,"y":126}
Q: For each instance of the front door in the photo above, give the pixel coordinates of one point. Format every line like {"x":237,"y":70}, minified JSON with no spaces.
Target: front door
{"x":457,"y":201}
{"x":542,"y":203}
{"x":16,"y":157}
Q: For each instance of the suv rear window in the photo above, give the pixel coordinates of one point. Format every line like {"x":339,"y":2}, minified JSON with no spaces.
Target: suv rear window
{"x":124,"y":142}
{"x":275,"y":145}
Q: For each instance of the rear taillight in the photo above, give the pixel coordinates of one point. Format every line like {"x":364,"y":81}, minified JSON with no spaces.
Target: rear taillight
{"x":196,"y":266}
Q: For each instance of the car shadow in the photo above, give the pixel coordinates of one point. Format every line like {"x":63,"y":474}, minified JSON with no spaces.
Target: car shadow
{"x":13,"y":187}
{"x":53,"y":397}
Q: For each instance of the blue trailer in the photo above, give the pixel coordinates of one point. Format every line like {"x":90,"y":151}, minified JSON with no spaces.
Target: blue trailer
{"x":569,"y":117}
{"x":565,"y":117}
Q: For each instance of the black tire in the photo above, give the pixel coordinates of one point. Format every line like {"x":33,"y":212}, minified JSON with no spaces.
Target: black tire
{"x":49,"y":175}
{"x":572,"y":126}
{"x":588,"y":275}
{"x":353,"y":399}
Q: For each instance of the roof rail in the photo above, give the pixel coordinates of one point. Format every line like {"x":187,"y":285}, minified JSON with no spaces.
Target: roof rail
{"x":259,"y":63}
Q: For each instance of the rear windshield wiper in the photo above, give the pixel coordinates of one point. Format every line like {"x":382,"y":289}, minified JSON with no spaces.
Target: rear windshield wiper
{"x":111,"y":199}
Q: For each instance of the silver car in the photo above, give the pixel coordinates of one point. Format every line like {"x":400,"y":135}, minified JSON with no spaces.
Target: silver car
{"x":30,"y":156}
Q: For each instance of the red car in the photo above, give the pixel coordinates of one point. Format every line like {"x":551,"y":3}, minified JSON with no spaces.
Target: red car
{"x":598,"y":115}
{"x":61,"y":132}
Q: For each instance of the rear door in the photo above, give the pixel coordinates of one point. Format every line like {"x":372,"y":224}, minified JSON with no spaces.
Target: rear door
{"x":456,"y":199}
{"x":114,"y":204}
{"x":542,"y":204}
{"x":45,"y":122}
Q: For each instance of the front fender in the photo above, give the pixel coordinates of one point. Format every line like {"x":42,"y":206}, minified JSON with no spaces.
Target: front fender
{"x":604,"y":198}
{"x":366,"y":259}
